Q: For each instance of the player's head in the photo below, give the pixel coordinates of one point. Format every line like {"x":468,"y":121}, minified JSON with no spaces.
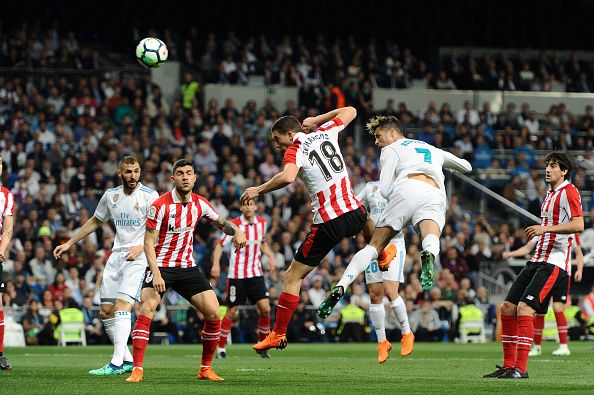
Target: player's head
{"x":184,"y":175}
{"x":129,"y":172}
{"x":248,"y":209}
{"x":283,"y":131}
{"x":386,"y":129}
{"x":558,"y":167}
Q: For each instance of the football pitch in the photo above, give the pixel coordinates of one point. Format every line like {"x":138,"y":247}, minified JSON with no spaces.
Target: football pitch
{"x":439,"y":368}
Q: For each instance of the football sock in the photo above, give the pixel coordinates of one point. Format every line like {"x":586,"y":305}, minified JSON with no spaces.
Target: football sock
{"x":538,"y":328}
{"x":108,"y":324}
{"x":431,"y":243}
{"x":287,"y":303}
{"x":525,"y":335}
{"x":263,"y":327}
{"x":357,"y":266}
{"x":121,"y":332}
{"x":140,"y":338}
{"x":509,"y":339}
{"x":210,"y":337}
{"x":561,"y":326}
{"x":1,"y":331}
{"x":400,"y":310}
{"x":225,"y":330}
{"x":377,"y":313}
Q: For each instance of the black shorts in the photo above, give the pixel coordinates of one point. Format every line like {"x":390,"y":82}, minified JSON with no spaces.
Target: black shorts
{"x":185,"y":281}
{"x":325,"y":236}
{"x":535,"y":285}
{"x":562,"y":293}
{"x":239,"y":290}
{"x":2,"y":284}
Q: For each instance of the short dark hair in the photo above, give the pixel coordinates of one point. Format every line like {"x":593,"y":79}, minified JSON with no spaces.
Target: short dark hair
{"x":563,"y":159}
{"x":182,"y":163}
{"x":128,"y":160}
{"x":286,"y":124}
{"x":384,"y":122}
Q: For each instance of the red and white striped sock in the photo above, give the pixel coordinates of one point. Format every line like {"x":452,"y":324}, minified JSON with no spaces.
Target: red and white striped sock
{"x":263,"y":327}
{"x":225,"y":330}
{"x":287,"y":303}
{"x":1,"y":330}
{"x":210,"y":337}
{"x":525,"y":337}
{"x":140,"y":338}
{"x":561,"y":327}
{"x":509,"y":339}
{"x":538,"y":328}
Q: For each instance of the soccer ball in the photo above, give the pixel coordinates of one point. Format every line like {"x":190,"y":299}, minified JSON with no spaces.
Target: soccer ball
{"x":151,"y":52}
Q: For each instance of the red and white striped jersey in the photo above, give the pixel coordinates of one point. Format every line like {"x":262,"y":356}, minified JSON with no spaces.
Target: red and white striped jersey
{"x":246,"y":263}
{"x":323,"y":171}
{"x":176,"y":222}
{"x":558,"y":207}
{"x":6,"y":204}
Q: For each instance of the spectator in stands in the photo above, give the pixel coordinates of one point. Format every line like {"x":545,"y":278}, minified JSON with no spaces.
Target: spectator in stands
{"x":425,"y":324}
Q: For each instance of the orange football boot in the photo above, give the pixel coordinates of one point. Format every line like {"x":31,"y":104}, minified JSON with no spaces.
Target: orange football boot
{"x":383,"y":350}
{"x":136,"y":376}
{"x":407,"y":342}
{"x":386,"y":256}
{"x":273,"y":340}
{"x":208,"y":374}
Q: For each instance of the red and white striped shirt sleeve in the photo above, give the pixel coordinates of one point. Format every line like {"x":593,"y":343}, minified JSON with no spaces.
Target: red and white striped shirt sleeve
{"x":208,"y":212}
{"x":573,"y":201}
{"x":332,"y":127}
{"x":154,"y":216}
{"x":294,"y":154}
{"x":9,"y":199}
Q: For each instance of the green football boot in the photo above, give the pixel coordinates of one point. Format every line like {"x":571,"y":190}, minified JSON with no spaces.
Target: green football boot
{"x":328,"y":304}
{"x":108,"y":370}
{"x":427,"y":274}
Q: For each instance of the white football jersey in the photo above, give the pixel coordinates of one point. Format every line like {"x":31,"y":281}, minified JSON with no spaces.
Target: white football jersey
{"x":405,"y":156}
{"x":371,"y":197}
{"x":128,"y":213}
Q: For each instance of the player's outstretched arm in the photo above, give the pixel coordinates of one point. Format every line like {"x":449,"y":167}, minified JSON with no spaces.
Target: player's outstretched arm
{"x":229,"y":228}
{"x":7,"y":227}
{"x":452,"y":162}
{"x":345,"y":114}
{"x":89,"y":227}
{"x":280,"y":180}
{"x":150,"y":239}
{"x":522,"y":251}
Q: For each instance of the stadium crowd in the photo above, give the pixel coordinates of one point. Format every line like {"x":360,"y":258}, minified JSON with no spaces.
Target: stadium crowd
{"x":63,"y":135}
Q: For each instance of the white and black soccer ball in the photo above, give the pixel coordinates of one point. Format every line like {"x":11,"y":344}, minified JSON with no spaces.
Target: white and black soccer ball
{"x":151,"y":52}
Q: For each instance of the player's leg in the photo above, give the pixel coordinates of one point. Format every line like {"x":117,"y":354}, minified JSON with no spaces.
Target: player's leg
{"x":287,"y":303}
{"x":430,"y":232}
{"x":149,"y":301}
{"x":206,"y":302}
{"x":559,"y":309}
{"x":4,"y":365}
{"x":263,"y":308}
{"x":377,"y":314}
{"x":384,"y":255}
{"x":536,"y":349}
{"x":226,"y":324}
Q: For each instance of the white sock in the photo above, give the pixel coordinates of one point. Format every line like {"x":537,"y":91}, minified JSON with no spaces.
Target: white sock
{"x":431,"y":243}
{"x":108,"y":324}
{"x":122,"y":327}
{"x":378,"y":317}
{"x":357,"y":265}
{"x":400,"y":310}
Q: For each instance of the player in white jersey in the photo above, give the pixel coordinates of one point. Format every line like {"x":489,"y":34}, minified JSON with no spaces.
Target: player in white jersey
{"x":385,"y":283}
{"x":560,"y":299}
{"x":412,"y":180}
{"x":6,"y":225}
{"x":546,"y":272}
{"x":316,"y":158}
{"x":127,"y":206}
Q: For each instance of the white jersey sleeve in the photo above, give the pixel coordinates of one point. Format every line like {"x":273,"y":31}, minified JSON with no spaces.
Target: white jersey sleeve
{"x":452,"y":162}
{"x":388,"y":163}
{"x":102,"y":212}
{"x":362,"y":195}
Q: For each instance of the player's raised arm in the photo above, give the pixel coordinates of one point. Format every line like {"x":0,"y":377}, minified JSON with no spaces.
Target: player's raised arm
{"x":89,"y":227}
{"x":345,"y":114}
{"x":229,"y":228}
{"x":280,"y":180}
{"x":452,"y":162}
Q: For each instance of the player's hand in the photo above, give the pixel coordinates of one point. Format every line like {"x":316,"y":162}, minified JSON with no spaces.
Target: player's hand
{"x":249,"y":193}
{"x":534,"y":230}
{"x":309,"y":123}
{"x":506,"y":255}
{"x":578,"y":276}
{"x":158,"y":283}
{"x":239,"y":240}
{"x":59,"y":250}
{"x":215,"y":272}
{"x":134,"y":252}
{"x":2,"y":256}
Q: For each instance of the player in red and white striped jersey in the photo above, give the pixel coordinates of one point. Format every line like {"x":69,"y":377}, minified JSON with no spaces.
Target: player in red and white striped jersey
{"x":168,"y":245}
{"x":245,"y":279}
{"x":560,"y":298}
{"x":6,"y":225}
{"x":546,"y":272}
{"x":312,"y":152}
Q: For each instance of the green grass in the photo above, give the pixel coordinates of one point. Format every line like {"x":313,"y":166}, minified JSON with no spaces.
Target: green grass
{"x":301,"y":369}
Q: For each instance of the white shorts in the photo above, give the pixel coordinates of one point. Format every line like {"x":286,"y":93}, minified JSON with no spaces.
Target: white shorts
{"x":411,"y":202}
{"x":122,"y":279}
{"x":396,"y":270}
